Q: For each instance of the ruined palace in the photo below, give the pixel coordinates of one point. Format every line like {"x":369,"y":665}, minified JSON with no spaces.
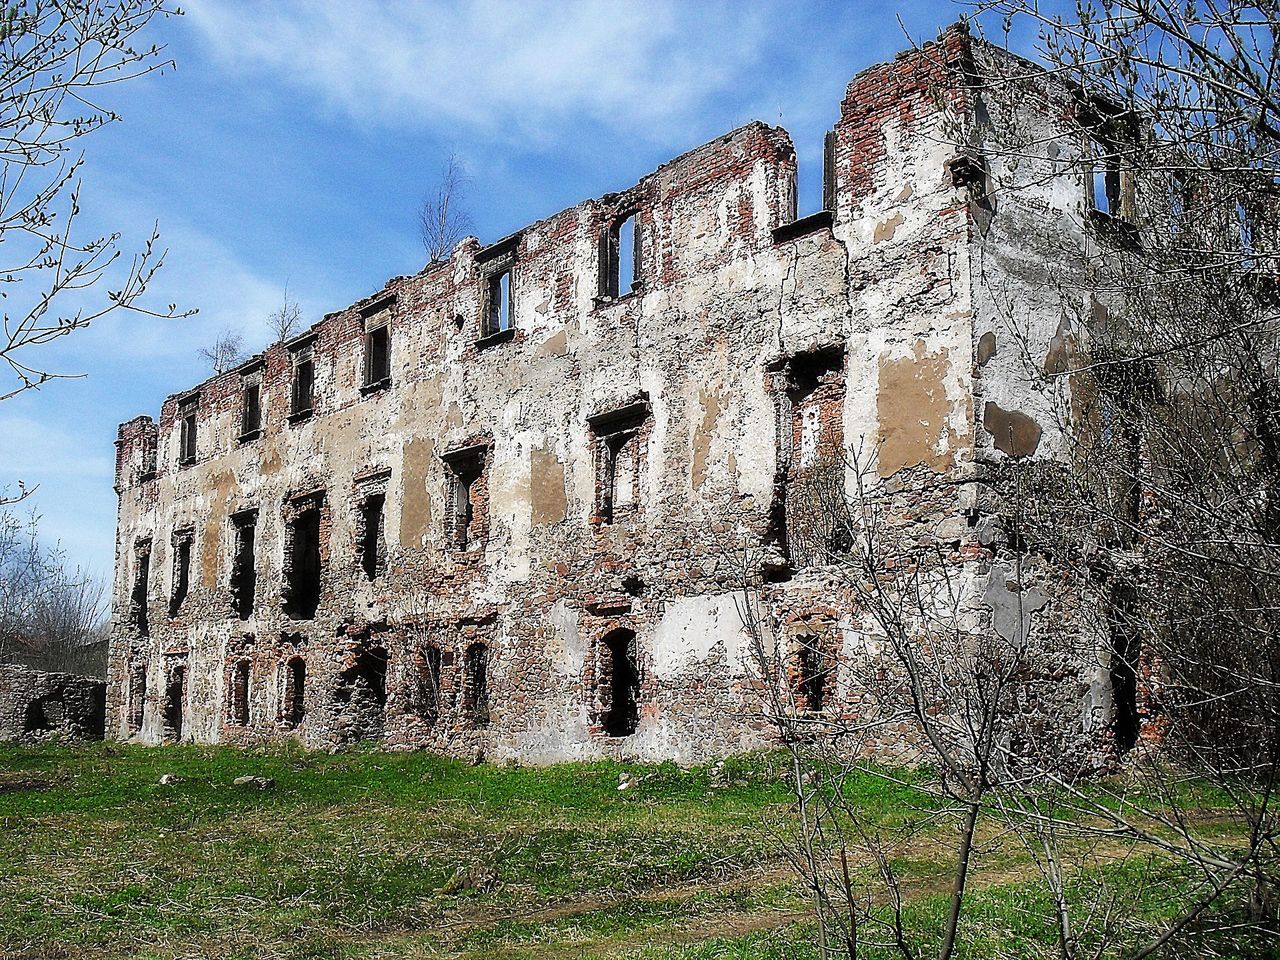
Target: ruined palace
{"x":516,"y":501}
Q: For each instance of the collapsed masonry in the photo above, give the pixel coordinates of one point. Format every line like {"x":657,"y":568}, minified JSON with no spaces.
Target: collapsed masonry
{"x":512,"y":502}
{"x":35,"y":704}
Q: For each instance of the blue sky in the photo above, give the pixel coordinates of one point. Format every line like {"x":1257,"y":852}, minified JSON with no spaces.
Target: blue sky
{"x":294,"y":142}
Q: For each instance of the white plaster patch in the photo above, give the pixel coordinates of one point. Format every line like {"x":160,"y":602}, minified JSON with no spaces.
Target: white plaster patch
{"x":692,"y":627}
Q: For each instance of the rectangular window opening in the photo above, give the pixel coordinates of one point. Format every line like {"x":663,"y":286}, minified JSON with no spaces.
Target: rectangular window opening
{"x":238,"y":701}
{"x":300,"y":403}
{"x":377,"y":356}
{"x":187,"y":440}
{"x":620,"y":258}
{"x":140,"y":600}
{"x":373,"y":554}
{"x":619,"y":448}
{"x":244,"y":574}
{"x":183,"y":541}
{"x":466,"y":517}
{"x":251,"y":410}
{"x":303,"y":562}
{"x":475,"y":705}
{"x":498,"y":315}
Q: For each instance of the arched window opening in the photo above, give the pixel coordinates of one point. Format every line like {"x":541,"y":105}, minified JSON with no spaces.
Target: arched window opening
{"x":811,"y":674}
{"x":619,"y":684}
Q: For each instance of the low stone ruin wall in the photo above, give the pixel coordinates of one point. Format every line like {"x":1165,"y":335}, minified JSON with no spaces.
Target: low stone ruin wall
{"x":38,"y":704}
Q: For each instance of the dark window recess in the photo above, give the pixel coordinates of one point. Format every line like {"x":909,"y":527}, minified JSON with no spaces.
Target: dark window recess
{"x":251,"y":411}
{"x":498,"y":317}
{"x":238,"y":704}
{"x":377,"y":356}
{"x":427,"y":695}
{"x":175,"y":698}
{"x":300,"y":402}
{"x":466,"y":520}
{"x":829,"y":170}
{"x":140,"y":599}
{"x":1125,"y":653}
{"x":187,"y":439}
{"x":244,"y":573}
{"x":302,"y":563}
{"x":183,"y":541}
{"x":475,"y":691}
{"x":811,"y":675}
{"x":620,"y":258}
{"x":373,"y":553}
{"x":137,"y":695}
{"x":294,"y":709}
{"x":620,"y":684}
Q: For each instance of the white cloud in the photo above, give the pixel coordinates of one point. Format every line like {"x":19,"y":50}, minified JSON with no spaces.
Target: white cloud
{"x":522,"y":67}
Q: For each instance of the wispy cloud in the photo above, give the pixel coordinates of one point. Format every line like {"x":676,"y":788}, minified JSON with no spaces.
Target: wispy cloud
{"x":526,"y":68}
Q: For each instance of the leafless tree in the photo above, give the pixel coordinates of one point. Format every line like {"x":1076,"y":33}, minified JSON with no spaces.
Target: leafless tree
{"x":225,"y":352}
{"x":285,"y":321}
{"x":52,"y":616}
{"x":56,"y":58}
{"x":443,"y":218}
{"x":1162,"y":521}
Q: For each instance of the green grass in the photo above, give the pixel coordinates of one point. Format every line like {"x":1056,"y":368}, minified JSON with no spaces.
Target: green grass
{"x":347,"y":855}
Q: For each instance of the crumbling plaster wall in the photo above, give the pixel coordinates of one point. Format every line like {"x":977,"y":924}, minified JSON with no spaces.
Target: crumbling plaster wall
{"x":889,"y":280}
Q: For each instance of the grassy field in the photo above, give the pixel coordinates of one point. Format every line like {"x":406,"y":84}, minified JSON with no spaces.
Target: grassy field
{"x":359,"y":855}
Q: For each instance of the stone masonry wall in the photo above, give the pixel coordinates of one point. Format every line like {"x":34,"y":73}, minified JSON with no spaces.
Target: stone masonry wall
{"x":34,"y":703}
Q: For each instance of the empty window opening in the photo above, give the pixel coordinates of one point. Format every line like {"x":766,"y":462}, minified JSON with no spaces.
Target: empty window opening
{"x":619,"y":684}
{"x":303,"y":561}
{"x":1105,"y":185}
{"x":147,"y":468}
{"x":238,"y":702}
{"x":303,"y":382}
{"x":361,"y":695}
{"x":251,"y":409}
{"x":811,"y":500}
{"x":244,"y":574}
{"x":373,"y":553}
{"x":140,"y":599}
{"x":475,"y":689}
{"x":44,"y":714}
{"x":619,"y":447}
{"x":467,"y":513}
{"x":829,"y":170}
{"x":620,"y":258}
{"x":498,"y":315}
{"x":811,"y":674}
{"x":187,"y":435}
{"x":183,"y":541}
{"x":137,"y":696}
{"x":427,"y":695}
{"x":1125,"y":652}
{"x":175,"y":698}
{"x":377,"y":355}
{"x":294,"y":709}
